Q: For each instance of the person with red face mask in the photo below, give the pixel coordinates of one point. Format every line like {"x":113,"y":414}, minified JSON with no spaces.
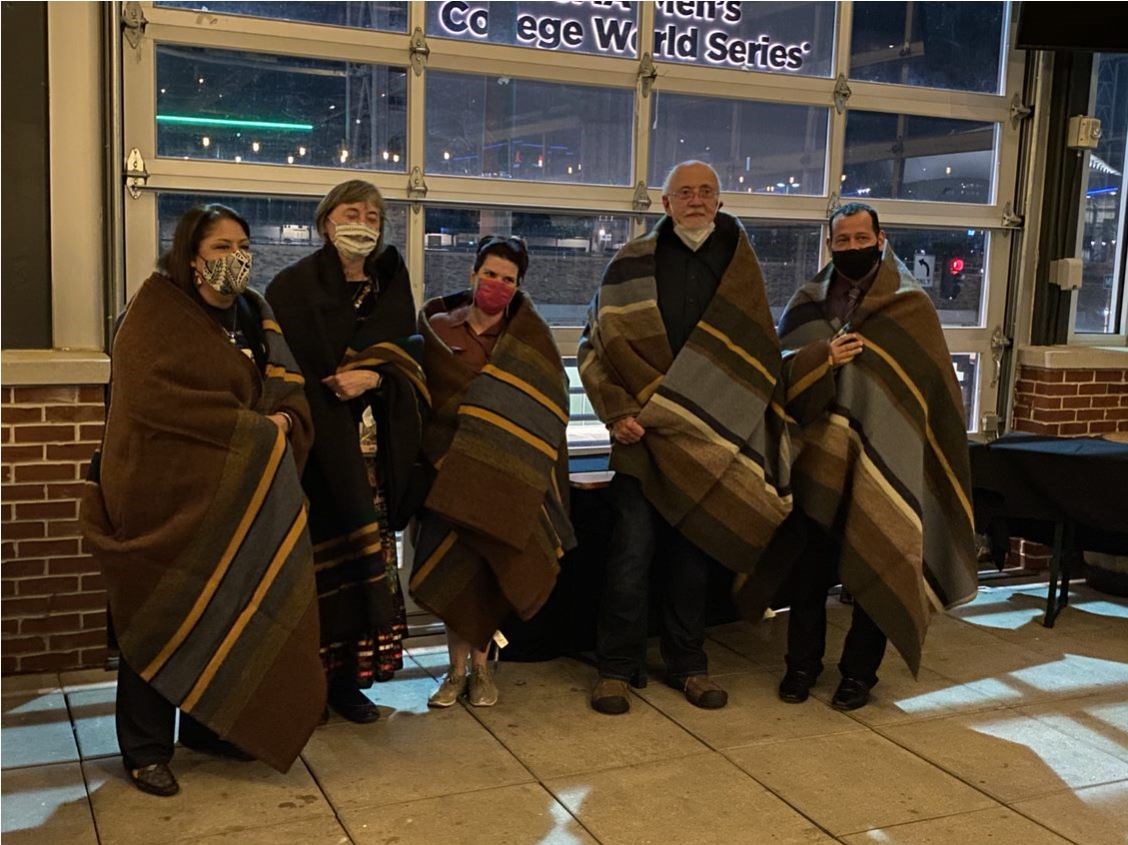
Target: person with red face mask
{"x":495,"y":522}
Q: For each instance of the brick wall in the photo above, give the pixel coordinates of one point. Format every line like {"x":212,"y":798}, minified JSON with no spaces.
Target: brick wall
{"x":1071,"y":403}
{"x":1065,"y":403}
{"x":52,"y":605}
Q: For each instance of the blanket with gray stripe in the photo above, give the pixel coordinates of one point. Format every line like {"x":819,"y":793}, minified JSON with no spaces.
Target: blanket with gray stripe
{"x":882,"y":459}
{"x":715,"y":458}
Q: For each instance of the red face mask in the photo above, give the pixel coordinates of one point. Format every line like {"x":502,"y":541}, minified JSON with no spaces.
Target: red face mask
{"x":491,"y":296}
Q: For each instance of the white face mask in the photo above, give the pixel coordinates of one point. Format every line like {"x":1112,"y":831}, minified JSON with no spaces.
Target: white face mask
{"x":354,"y":240}
{"x":693,"y":238}
{"x":229,"y":275}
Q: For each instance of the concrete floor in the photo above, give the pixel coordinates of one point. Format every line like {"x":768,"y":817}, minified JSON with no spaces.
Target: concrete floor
{"x":1013,"y":733}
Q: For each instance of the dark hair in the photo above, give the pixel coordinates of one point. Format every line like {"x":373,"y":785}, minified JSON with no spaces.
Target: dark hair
{"x":849,"y":210}
{"x":193,"y":228}
{"x":510,"y":248}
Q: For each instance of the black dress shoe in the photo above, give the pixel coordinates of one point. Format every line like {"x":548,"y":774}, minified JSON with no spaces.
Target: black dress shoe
{"x":796,"y":685}
{"x":156,"y":779}
{"x":216,"y":747}
{"x":850,"y":695}
{"x":352,"y":704}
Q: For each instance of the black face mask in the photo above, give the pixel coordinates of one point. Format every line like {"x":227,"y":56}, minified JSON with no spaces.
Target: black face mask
{"x":855,"y":263}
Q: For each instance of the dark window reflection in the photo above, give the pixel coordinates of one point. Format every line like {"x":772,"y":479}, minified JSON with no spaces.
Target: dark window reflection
{"x":950,"y":265}
{"x":497,"y":126}
{"x":931,"y":44}
{"x":1103,"y":247}
{"x":898,"y":156}
{"x":267,"y":109}
{"x":759,"y":148}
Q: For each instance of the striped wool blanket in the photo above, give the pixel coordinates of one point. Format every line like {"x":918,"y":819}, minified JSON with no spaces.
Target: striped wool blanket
{"x":883,"y":458}
{"x":495,"y":523}
{"x":199,"y":524}
{"x":715,"y":458}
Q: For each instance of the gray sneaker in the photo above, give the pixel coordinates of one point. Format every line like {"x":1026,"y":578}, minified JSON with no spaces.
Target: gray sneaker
{"x":448,"y":692}
{"x":483,"y":690}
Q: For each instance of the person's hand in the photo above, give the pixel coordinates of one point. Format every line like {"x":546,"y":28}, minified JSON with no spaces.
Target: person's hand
{"x":845,"y":348}
{"x":351,"y":384}
{"x":282,"y":421}
{"x":627,"y":431}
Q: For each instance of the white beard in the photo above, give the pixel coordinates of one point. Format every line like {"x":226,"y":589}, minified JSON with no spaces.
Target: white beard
{"x":693,"y":238}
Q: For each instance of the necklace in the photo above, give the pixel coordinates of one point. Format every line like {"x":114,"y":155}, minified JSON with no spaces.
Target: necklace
{"x":361,"y":293}
{"x":232,"y":333}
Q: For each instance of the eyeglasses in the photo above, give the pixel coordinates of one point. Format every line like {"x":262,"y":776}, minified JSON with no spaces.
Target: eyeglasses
{"x":513,"y":242}
{"x":686,"y":194}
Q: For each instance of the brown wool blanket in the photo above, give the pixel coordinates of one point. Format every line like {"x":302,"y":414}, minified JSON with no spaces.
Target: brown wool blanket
{"x":495,"y":522}
{"x":715,"y":459}
{"x":199,"y":524}
{"x":883,"y":458}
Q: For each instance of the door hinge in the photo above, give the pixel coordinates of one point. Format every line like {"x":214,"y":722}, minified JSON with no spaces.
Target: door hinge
{"x":641,"y":199}
{"x":1000,"y":343}
{"x":1010,"y":219}
{"x":416,"y":187}
{"x":133,"y":23}
{"x":136,"y":176}
{"x":1019,"y":111}
{"x":832,"y":203}
{"x":419,"y":51}
{"x":647,"y":74}
{"x":841,"y":93}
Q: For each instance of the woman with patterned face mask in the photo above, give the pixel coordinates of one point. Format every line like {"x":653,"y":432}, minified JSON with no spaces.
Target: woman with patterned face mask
{"x":196,"y":515}
{"x":495,"y":521}
{"x":349,"y":314}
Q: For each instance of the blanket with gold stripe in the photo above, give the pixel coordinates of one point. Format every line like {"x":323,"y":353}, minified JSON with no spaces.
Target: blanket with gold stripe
{"x":883,"y":460}
{"x":715,"y":458}
{"x":199,"y":524}
{"x":495,"y":522}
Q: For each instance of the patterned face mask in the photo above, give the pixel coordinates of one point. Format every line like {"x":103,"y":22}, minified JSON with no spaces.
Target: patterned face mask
{"x":355,"y":240}
{"x":229,"y":275}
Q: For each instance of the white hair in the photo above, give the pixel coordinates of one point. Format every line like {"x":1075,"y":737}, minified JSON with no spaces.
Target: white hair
{"x":670,"y":176}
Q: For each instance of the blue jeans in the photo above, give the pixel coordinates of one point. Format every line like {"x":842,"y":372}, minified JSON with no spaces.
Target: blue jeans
{"x":624,"y":609}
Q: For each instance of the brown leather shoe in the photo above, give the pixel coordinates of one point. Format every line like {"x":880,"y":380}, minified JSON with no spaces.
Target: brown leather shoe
{"x":611,"y":696}
{"x":701,"y":691}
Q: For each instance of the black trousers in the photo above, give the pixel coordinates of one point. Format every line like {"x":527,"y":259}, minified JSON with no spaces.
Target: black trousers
{"x":624,"y":609}
{"x":816,"y":572}
{"x":146,"y":722}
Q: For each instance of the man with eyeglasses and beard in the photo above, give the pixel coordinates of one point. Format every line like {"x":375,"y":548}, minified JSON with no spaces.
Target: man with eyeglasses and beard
{"x":681,"y":361}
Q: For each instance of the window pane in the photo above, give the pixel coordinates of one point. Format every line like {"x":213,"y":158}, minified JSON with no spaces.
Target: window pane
{"x":788,"y":254}
{"x":584,"y":427}
{"x":606,"y":29}
{"x":967,"y":374}
{"x":254,"y":107}
{"x":567,"y":254}
{"x":898,"y":156}
{"x":950,"y":265}
{"x":936,"y":45}
{"x":368,"y":15}
{"x":281,"y":227}
{"x":792,"y":37}
{"x":755,"y":147}
{"x":497,"y":126}
{"x":1103,"y":245}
